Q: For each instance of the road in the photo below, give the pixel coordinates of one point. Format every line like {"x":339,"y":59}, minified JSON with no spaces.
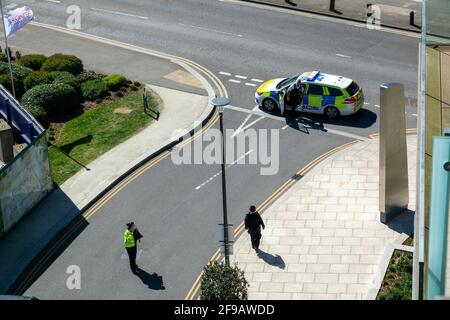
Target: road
{"x":179,"y":220}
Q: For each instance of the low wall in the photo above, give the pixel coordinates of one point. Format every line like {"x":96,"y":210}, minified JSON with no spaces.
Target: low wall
{"x":27,"y":179}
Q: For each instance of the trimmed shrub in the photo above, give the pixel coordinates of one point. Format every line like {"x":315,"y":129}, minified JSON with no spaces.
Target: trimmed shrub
{"x":89,"y":75}
{"x":32,"y":61}
{"x":222,"y":282}
{"x":137,"y":84}
{"x":5,"y":80}
{"x":8,"y":50}
{"x":94,"y":89}
{"x":18,"y":55}
{"x":63,"y":62}
{"x":98,"y":101}
{"x":119,"y":94}
{"x":3,"y":57}
{"x":36,"y":78}
{"x":133,"y":88}
{"x":38,"y":113}
{"x":115,"y":81}
{"x":54,"y":98}
{"x":123,"y":89}
{"x":68,"y":78}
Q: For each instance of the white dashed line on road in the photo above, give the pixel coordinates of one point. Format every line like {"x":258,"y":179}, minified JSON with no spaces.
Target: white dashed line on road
{"x":414,"y":115}
{"x":250,"y":84}
{"x":235,"y":81}
{"x":211,"y":30}
{"x":218,"y":173}
{"x":225,"y":73}
{"x":257,"y":80}
{"x":54,"y":1}
{"x":376,"y":106}
{"x":240,"y":77}
{"x":343,"y":56}
{"x":119,"y":13}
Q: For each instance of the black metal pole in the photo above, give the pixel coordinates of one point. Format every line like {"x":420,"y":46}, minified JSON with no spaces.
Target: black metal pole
{"x":224,"y":196}
{"x":332,"y":5}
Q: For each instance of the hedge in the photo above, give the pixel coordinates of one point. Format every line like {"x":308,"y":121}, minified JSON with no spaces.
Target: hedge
{"x":62,"y":62}
{"x":38,"y":113}
{"x":19,"y":74}
{"x":3,"y":57}
{"x":68,"y":78}
{"x":89,"y":75}
{"x":54,"y":98}
{"x":36,"y":78}
{"x":5,"y":80}
{"x":94,"y":89}
{"x":33,"y":61}
{"x":115,"y":81}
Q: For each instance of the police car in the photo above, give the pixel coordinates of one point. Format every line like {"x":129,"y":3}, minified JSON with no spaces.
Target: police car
{"x":326,"y":94}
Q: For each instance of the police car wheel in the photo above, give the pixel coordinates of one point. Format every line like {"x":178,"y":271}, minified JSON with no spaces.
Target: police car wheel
{"x":269,"y":105}
{"x":331,"y":112}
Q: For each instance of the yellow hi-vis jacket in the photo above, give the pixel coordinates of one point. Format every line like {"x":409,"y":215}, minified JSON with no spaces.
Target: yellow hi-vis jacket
{"x":128,"y":239}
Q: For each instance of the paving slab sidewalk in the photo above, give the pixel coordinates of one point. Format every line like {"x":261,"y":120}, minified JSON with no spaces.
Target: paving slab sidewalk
{"x":393,"y":12}
{"x":323,"y":238}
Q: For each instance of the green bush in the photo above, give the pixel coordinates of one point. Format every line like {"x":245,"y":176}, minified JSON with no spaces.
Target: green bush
{"x":137,"y":84}
{"x":68,"y":78}
{"x":94,"y":89}
{"x":222,"y":282}
{"x":89,"y":75}
{"x":5,"y":80}
{"x":38,"y":113}
{"x":54,"y":98}
{"x":63,"y":62}
{"x":98,"y":101}
{"x":115,"y":81}
{"x":18,"y":55}
{"x":19,"y":74}
{"x":32,"y":61}
{"x":119,"y":94}
{"x":36,"y":78}
{"x":3,"y":57}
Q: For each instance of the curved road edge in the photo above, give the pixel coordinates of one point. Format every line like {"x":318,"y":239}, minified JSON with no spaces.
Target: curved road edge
{"x":34,"y":265}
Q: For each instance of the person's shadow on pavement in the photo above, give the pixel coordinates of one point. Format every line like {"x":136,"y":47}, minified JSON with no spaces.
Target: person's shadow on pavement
{"x":276,"y":261}
{"x":152,"y":281}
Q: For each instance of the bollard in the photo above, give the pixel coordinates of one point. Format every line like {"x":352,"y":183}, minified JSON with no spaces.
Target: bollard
{"x":332,"y":3}
{"x":411,"y":18}
{"x":369,"y":10}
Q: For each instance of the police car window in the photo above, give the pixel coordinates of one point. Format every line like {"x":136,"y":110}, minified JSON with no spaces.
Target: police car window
{"x":287,"y":82}
{"x":315,"y":89}
{"x":335,"y":92}
{"x":352,"y":89}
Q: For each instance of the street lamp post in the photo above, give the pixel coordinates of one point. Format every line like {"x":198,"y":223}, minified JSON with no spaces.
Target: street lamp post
{"x":220,"y":103}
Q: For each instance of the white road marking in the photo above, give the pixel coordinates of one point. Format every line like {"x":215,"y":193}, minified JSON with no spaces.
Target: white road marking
{"x":211,"y":30}
{"x":414,"y":115}
{"x":218,"y":173}
{"x":235,"y":81}
{"x":343,"y":56}
{"x":54,"y":1}
{"x":376,"y":106}
{"x":238,"y":131}
{"x":120,"y":13}
{"x":361,"y":25}
{"x":257,"y":80}
{"x":250,"y":84}
{"x":333,"y":131}
{"x":285,"y":127}
{"x":240,"y":77}
{"x":245,"y":120}
{"x":225,"y":73}
{"x":366,"y":103}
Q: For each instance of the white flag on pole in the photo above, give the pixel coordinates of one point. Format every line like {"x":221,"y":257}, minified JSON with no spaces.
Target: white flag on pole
{"x":16,"y":19}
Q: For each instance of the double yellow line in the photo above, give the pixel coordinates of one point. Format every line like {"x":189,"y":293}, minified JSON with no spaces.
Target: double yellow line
{"x":193,"y":292}
{"x":408,"y":131}
{"x":57,"y":243}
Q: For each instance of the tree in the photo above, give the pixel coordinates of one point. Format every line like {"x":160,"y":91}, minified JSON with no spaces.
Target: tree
{"x":222,"y":282}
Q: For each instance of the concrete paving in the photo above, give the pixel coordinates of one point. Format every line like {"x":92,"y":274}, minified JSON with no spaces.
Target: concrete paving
{"x":323,"y":238}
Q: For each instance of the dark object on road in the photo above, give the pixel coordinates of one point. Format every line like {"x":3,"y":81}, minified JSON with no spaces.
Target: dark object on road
{"x":253,"y":223}
{"x":152,"y":281}
{"x":273,"y":260}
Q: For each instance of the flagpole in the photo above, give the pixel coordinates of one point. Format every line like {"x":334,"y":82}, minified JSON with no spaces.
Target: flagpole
{"x":7,"y":51}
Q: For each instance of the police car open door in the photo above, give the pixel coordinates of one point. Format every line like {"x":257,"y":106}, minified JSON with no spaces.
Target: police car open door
{"x":312,"y":101}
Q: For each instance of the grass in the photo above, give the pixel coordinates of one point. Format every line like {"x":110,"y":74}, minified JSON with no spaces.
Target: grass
{"x":95,"y":131}
{"x":397,"y":283}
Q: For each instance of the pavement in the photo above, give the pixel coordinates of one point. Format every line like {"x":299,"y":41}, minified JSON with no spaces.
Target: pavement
{"x":180,"y":110}
{"x":393,"y":13}
{"x":323,"y":238}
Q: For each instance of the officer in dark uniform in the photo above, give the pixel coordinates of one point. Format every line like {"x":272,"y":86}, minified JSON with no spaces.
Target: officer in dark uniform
{"x":253,"y":223}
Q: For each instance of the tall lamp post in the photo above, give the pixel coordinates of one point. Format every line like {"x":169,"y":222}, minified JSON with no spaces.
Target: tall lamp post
{"x":220,"y":103}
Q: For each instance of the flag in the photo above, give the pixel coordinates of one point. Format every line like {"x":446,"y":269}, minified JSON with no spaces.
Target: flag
{"x":16,"y":19}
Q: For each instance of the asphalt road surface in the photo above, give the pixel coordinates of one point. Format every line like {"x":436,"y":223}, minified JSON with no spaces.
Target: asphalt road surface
{"x":178,"y":208}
